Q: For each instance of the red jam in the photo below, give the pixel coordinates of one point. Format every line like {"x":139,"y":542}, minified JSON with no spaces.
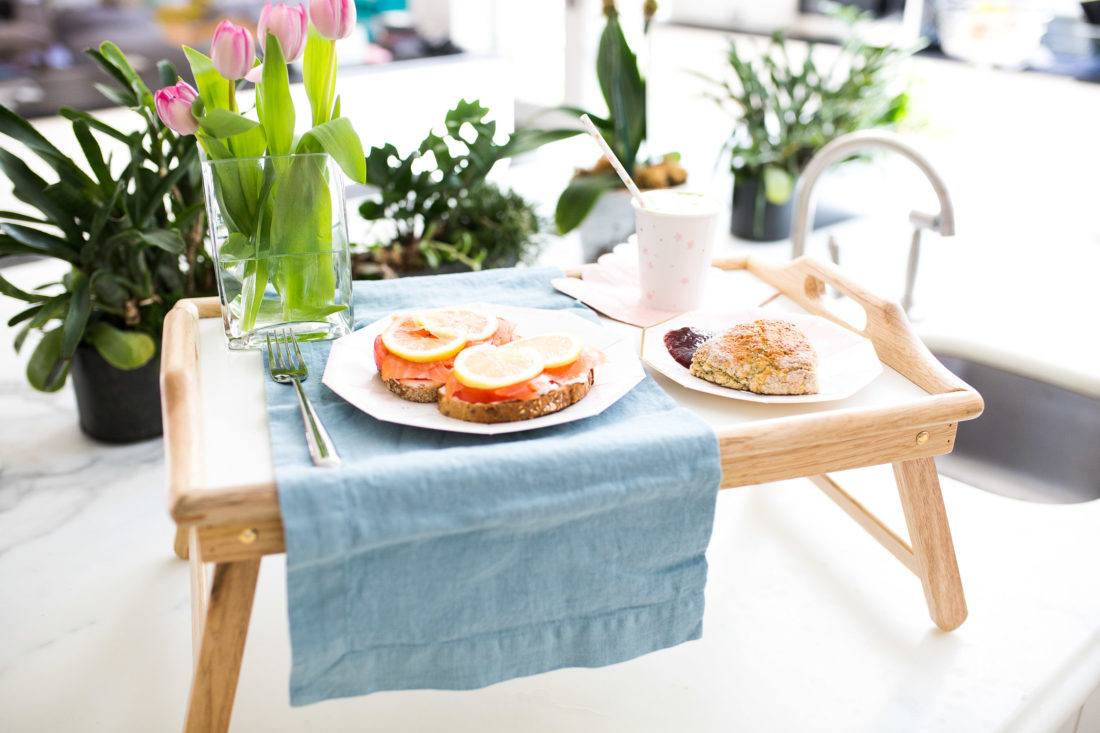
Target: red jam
{"x":683,"y":342}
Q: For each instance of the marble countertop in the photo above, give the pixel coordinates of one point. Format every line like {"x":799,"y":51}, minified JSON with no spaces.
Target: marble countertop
{"x":809,"y":625}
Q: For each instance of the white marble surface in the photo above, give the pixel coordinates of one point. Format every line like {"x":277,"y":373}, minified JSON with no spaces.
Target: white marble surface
{"x":809,"y":624}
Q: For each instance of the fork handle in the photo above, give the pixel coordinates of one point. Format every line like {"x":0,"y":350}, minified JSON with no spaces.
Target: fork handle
{"x":321,"y":448}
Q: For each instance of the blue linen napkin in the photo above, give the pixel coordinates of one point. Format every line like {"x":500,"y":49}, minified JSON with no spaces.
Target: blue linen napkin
{"x":438,"y":560}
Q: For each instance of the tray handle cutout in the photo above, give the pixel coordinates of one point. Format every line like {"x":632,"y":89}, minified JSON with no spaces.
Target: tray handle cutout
{"x":804,"y":281}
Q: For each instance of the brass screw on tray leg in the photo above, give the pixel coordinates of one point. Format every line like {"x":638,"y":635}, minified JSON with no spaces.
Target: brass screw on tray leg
{"x":922,"y":437}
{"x":248,"y":536}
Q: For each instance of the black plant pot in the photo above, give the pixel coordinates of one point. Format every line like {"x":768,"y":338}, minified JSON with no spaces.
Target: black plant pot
{"x":116,"y":405}
{"x":754,"y":217}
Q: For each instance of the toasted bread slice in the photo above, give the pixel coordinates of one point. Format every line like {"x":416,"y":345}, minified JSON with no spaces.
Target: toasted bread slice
{"x":513,"y":410}
{"x":414,"y":390}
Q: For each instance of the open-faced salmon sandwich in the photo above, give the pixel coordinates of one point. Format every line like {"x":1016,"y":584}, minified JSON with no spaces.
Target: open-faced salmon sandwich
{"x":520,"y":380}
{"x":416,"y":352}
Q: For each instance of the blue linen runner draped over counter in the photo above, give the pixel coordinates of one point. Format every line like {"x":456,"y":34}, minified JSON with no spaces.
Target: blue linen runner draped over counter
{"x":437,"y":560}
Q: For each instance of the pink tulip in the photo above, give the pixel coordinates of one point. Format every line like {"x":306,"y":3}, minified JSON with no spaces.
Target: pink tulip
{"x":232,"y":51}
{"x":286,"y":23}
{"x":333,"y":19}
{"x":174,"y":107}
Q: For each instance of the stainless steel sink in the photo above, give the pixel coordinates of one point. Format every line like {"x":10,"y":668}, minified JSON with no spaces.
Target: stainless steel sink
{"x":1035,"y":441}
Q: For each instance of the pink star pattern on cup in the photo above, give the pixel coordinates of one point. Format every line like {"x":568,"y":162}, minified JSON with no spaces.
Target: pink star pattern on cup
{"x":691,"y":244}
{"x":678,"y":236}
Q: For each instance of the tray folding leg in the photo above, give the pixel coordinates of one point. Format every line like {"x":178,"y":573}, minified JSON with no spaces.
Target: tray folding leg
{"x":930,"y":552}
{"x":220,"y":626}
{"x":930,"y":535}
{"x":931,"y":556}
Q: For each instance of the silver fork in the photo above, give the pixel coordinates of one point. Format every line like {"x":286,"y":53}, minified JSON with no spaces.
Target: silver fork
{"x":286,"y":367}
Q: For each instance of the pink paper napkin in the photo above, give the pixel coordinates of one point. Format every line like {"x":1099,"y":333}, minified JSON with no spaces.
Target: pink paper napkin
{"x":610,"y":286}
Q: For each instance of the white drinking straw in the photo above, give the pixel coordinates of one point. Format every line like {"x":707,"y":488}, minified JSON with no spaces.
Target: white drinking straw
{"x":614,"y":161}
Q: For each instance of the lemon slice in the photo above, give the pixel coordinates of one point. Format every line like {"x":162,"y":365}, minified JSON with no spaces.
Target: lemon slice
{"x":490,"y":367}
{"x":451,"y":321}
{"x":556,"y":349}
{"x":409,"y":340}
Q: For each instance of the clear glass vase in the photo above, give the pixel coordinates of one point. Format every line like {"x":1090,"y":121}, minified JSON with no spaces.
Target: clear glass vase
{"x":279,"y":232}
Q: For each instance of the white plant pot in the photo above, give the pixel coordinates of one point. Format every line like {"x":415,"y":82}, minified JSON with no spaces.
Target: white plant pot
{"x":610,"y":222}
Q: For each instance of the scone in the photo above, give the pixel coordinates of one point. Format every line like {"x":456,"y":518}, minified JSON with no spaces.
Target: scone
{"x":766,"y":357}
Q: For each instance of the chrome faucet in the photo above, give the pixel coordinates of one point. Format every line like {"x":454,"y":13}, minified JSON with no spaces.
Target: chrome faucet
{"x":845,"y":146}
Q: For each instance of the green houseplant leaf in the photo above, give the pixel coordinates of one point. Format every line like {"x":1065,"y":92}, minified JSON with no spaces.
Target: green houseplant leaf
{"x":122,"y":349}
{"x":778,"y":184}
{"x":132,"y":239}
{"x":439,"y":200}
{"x":41,"y":242}
{"x":113,"y":57}
{"x":80,"y":306}
{"x":46,"y":370}
{"x":623,"y":91}
{"x":579,"y":197}
{"x":19,"y":129}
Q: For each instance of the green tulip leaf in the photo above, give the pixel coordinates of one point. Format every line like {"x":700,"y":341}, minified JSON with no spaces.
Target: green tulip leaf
{"x":319,"y":75}
{"x":338,"y":139}
{"x":236,"y":247}
{"x":122,"y":349}
{"x":275,"y":106}
{"x":216,"y":91}
{"x":222,"y":123}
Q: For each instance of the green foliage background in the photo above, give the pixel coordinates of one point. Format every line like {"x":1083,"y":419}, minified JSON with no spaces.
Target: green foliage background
{"x":133,"y":238}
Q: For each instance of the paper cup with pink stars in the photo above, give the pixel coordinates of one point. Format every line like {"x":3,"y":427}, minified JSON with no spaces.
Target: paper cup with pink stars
{"x":676,"y":240}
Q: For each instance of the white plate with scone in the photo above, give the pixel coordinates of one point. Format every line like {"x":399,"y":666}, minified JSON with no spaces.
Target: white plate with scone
{"x":765,"y":356}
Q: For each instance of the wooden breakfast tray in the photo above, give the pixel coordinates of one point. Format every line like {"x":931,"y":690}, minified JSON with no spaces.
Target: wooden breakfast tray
{"x":235,"y":524}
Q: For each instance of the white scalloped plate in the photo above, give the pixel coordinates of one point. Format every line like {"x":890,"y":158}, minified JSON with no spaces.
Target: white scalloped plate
{"x":351,"y":373}
{"x":846,"y":361}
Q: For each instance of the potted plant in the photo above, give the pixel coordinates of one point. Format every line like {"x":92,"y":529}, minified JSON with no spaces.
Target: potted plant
{"x":589,"y":198}
{"x":787,"y":110}
{"x":436,"y":210}
{"x":275,"y":199}
{"x":132,"y":237}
